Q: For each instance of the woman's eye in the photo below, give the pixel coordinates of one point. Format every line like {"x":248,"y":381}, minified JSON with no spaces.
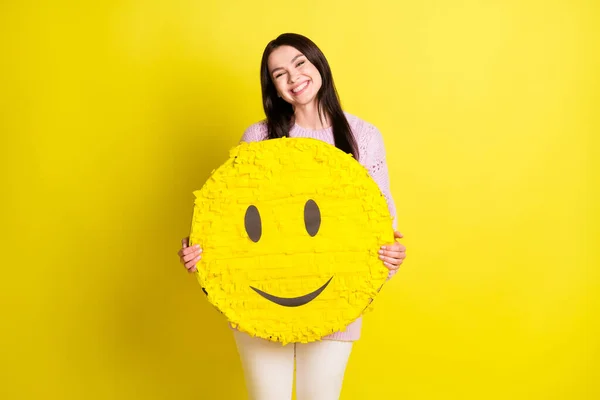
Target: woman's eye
{"x":278,"y":75}
{"x":299,"y":64}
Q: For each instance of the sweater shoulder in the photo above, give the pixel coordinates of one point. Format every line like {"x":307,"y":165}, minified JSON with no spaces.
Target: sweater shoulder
{"x":362,"y":130}
{"x":256,"y":132}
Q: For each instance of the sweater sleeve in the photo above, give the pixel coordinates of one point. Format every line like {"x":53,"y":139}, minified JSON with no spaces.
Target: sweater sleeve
{"x":255,"y":133}
{"x":375,"y":162}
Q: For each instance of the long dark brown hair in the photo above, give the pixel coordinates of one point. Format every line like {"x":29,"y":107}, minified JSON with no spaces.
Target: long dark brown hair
{"x":280,"y":114}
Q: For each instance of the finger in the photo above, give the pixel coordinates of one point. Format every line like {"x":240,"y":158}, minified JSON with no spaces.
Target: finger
{"x":393,"y":247}
{"x":189,"y":250}
{"x":389,"y":260}
{"x":185,"y":242}
{"x":391,"y":267}
{"x":393,"y":254}
{"x":192,"y":263}
{"x":191,"y":256}
{"x":191,"y":268}
{"x":398,"y":235}
{"x":181,"y":253}
{"x":396,"y":246}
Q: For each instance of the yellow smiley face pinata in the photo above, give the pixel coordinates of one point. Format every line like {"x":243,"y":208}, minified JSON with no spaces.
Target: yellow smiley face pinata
{"x":290,"y":230}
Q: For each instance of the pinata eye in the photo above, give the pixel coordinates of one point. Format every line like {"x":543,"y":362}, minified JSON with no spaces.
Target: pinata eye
{"x":253,"y":223}
{"x":312,"y":217}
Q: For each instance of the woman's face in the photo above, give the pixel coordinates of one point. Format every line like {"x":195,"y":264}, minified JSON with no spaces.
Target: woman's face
{"x":296,"y":79}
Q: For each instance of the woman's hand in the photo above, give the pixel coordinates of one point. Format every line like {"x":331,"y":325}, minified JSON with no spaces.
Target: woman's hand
{"x":189,"y":256}
{"x":393,"y":254}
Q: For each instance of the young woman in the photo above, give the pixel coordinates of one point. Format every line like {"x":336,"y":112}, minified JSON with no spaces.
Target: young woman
{"x":300,"y":100}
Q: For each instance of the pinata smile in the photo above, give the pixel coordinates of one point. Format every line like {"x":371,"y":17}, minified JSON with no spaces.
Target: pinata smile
{"x":292,"y":301}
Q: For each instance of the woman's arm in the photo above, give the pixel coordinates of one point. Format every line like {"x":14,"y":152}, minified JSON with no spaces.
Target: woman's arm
{"x":376,"y":164}
{"x":393,"y":254}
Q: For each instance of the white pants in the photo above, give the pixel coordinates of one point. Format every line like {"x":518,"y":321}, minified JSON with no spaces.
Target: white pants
{"x":269,"y":368}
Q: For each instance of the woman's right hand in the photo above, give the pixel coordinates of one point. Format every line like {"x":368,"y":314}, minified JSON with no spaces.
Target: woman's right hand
{"x":189,"y":256}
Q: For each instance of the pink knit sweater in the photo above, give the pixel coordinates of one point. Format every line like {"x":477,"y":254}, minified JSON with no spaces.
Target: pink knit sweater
{"x":371,"y":155}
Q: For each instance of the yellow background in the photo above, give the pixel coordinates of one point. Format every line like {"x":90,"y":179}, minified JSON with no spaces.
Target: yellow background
{"x":113,"y":112}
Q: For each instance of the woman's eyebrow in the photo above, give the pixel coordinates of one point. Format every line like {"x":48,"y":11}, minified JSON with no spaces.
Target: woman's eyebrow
{"x":293,"y":59}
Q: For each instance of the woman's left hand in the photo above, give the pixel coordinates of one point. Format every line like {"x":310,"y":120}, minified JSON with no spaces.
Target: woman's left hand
{"x":393,"y":254}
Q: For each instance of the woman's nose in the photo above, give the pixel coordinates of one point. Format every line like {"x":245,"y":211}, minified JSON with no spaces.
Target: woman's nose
{"x":292,"y":77}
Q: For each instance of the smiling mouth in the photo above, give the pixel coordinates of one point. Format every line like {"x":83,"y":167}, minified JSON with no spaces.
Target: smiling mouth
{"x":292,"y":301}
{"x":303,"y":85}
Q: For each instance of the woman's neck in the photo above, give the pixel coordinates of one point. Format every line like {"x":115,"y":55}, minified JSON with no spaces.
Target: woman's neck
{"x":307,"y":117}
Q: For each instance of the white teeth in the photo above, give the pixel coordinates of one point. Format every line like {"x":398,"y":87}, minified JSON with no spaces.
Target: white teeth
{"x":299,"y":88}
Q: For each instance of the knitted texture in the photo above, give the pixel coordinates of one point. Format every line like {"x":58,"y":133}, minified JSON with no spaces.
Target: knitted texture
{"x":372,"y":156}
